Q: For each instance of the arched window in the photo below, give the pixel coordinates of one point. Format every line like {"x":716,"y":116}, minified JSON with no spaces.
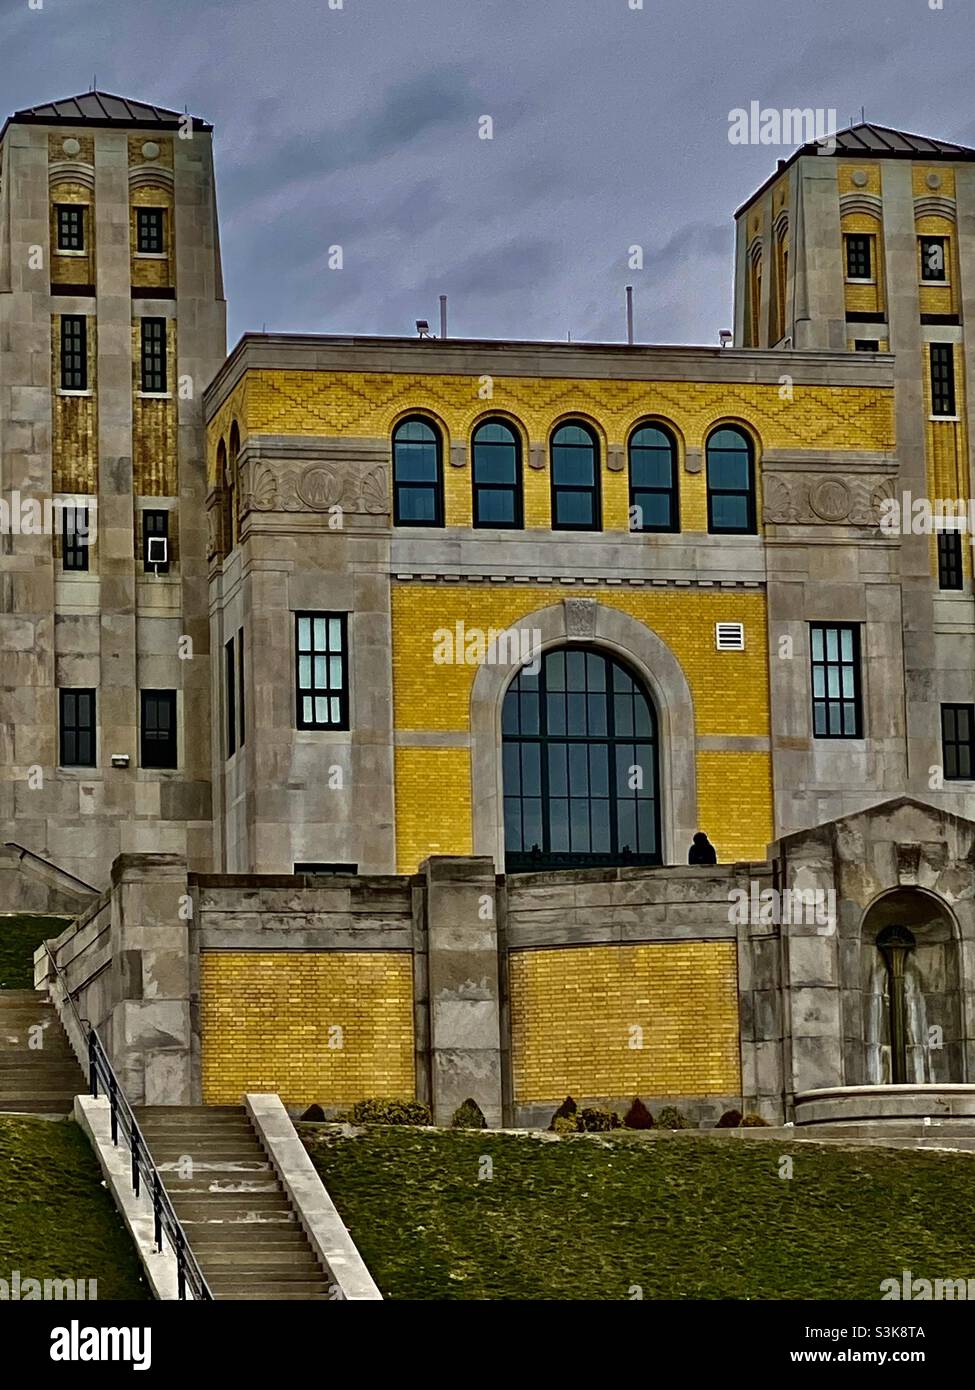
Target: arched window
{"x":653,"y":480}
{"x":575,"y":479}
{"x":496,"y":475}
{"x":731,"y":482}
{"x":579,"y":740}
{"x":234,"y":484}
{"x":226,"y":516}
{"x":417,"y":474}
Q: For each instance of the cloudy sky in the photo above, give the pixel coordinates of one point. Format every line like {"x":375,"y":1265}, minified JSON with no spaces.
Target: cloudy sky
{"x":359,"y":125}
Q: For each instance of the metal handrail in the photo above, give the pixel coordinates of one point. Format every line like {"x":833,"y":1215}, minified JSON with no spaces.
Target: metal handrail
{"x":165,"y":1221}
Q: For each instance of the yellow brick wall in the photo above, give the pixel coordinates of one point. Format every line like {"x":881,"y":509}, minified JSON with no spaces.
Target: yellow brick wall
{"x":73,"y":269}
{"x":265,"y":1018}
{"x":573,"y":1011}
{"x":935,"y":298}
{"x":946,"y":447}
{"x":730,"y":692}
{"x":151,"y":272}
{"x":866,"y":299}
{"x":155,"y":429}
{"x":74,"y":437}
{"x":845,"y":172}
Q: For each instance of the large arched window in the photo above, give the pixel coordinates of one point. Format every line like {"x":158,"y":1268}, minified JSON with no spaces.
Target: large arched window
{"x":579,"y":742}
{"x":575,"y":478}
{"x":233,"y":469}
{"x":731,"y":482}
{"x":417,"y":474}
{"x":653,"y":480}
{"x":496,"y":475}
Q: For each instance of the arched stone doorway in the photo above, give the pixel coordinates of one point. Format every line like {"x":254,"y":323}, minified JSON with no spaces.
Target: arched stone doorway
{"x":911,"y":991}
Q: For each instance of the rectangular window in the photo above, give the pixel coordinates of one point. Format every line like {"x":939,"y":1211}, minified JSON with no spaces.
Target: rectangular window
{"x":240,"y":684}
{"x":322,"y":670}
{"x":867,"y":344}
{"x":158,"y":728}
{"x":958,"y":742}
{"x":934,"y":262}
{"x":949,"y":560}
{"x":154,"y":356}
{"x":74,"y":538}
{"x":150,"y":235}
{"x":76,"y":728}
{"x":835,"y":651}
{"x":155,"y":542}
{"x":74,"y":352}
{"x":858,"y":258}
{"x":943,"y":379}
{"x":71,"y":227}
{"x":231,"y":697}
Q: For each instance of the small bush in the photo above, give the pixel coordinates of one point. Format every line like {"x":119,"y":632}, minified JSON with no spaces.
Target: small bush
{"x":314,"y":1112}
{"x":565,"y":1124}
{"x":672,"y":1118}
{"x":731,"y":1119}
{"x":566,"y":1111}
{"x":389,"y":1112}
{"x":468,"y":1116}
{"x":592,"y":1120}
{"x":638,"y":1116}
{"x":753,"y":1121}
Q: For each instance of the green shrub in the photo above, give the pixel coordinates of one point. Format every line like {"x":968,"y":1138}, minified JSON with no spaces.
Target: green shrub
{"x":731,"y":1119}
{"x":468,"y":1116}
{"x":672,"y":1118}
{"x":389,"y":1112}
{"x":593,"y":1120}
{"x":638,"y":1116}
{"x":753,"y":1121}
{"x":565,"y":1124}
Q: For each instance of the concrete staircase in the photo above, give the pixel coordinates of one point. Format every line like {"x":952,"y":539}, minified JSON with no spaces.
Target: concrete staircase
{"x":39,"y":1080}
{"x":231,"y":1205}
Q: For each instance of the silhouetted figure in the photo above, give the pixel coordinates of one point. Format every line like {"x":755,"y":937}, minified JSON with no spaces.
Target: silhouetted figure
{"x":702,"y":851}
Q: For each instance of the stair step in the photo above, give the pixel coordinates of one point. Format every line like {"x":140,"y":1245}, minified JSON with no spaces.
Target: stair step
{"x":257,"y":1260}
{"x":281,"y":1274}
{"x":307,"y":1290}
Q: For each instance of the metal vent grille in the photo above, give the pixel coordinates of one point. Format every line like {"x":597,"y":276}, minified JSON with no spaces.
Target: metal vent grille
{"x":729,"y":637}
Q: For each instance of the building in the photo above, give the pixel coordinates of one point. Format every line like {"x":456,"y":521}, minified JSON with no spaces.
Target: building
{"x":494,"y":630}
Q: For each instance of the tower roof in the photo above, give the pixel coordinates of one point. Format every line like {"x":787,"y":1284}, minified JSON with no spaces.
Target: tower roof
{"x":104,"y":110}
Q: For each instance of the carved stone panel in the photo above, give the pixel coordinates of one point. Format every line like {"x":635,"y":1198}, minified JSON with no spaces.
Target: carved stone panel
{"x":317,"y":487}
{"x":803,"y":499}
{"x":580,"y":618}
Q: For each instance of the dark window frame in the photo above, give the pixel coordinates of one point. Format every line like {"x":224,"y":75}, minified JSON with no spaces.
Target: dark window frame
{"x":951,"y":574}
{"x":151,"y":530}
{"x":592,"y":490}
{"x":70,"y":218}
{"x":75,"y":548}
{"x":866,"y":344}
{"x":516,"y":489}
{"x":827,"y":664}
{"x":74,"y":352}
{"x":230,"y":696}
{"x":751,"y":519}
{"x":327,"y":692}
{"x":942,"y":364}
{"x":149,"y":222}
{"x":154,"y":367}
{"x":957,"y":750}
{"x":401,"y":486}
{"x":859,"y":257}
{"x":164,"y":737}
{"x":76,"y":734}
{"x":672,"y":492}
{"x":941,"y":279}
{"x":241,"y":725}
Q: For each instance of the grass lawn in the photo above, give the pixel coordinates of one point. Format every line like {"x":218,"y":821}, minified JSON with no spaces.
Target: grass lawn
{"x":56,"y":1219}
{"x":686,"y":1216}
{"x":20,"y":935}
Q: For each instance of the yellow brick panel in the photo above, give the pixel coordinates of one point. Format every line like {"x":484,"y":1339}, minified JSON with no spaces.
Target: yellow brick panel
{"x":919,"y":178}
{"x":74,"y":440}
{"x":73,"y":269}
{"x":734,"y":803}
{"x":935,"y":298}
{"x":866,"y":299}
{"x":845,"y":172}
{"x":267,"y":1018}
{"x":155,"y":428}
{"x":574,"y":1013}
{"x":946,"y":447}
{"x":152,"y":272}
{"x":433,"y":804}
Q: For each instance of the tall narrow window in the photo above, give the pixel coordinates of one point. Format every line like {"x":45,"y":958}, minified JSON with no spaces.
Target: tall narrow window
{"x":417,"y":474}
{"x":322,"y":670}
{"x":74,"y":352}
{"x":74,"y":537}
{"x":934,"y":263}
{"x":150,"y":236}
{"x":949,"y":560}
{"x":575,"y":479}
{"x":653,"y":480}
{"x":859,"y":261}
{"x":155,"y":542}
{"x":240,"y":685}
{"x":943,"y":379}
{"x":71,"y":227}
{"x":154,"y":356}
{"x":230,"y":695}
{"x":836,"y":693}
{"x":958,"y":742}
{"x":76,"y":728}
{"x":158,"y":729}
{"x":496,"y":476}
{"x":731,"y":482}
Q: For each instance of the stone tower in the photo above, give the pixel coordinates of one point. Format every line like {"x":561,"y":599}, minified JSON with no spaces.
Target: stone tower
{"x":112,"y":321}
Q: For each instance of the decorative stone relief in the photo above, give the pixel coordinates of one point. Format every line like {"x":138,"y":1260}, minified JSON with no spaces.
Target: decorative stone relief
{"x":859,"y":178}
{"x":71,"y":147}
{"x":580,"y":618}
{"x":458,"y":455}
{"x":615,"y":459}
{"x":150,"y":150}
{"x":536,"y":456}
{"x":831,"y":501}
{"x":933,"y":180}
{"x":693,"y":460}
{"x":908,"y":862}
{"x":318,"y":487}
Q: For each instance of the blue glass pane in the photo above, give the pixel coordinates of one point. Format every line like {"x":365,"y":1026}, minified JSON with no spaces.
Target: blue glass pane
{"x":728,"y":439}
{"x":495,"y":463}
{"x":729,"y":513}
{"x":416,"y":463}
{"x":572,"y":434}
{"x":417,"y":504}
{"x":574,"y":509}
{"x":572,"y":467}
{"x":728,"y":472}
{"x":650,"y":468}
{"x":497,"y":508}
{"x":655,"y":511}
{"x":494,"y":432}
{"x":415,"y":430}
